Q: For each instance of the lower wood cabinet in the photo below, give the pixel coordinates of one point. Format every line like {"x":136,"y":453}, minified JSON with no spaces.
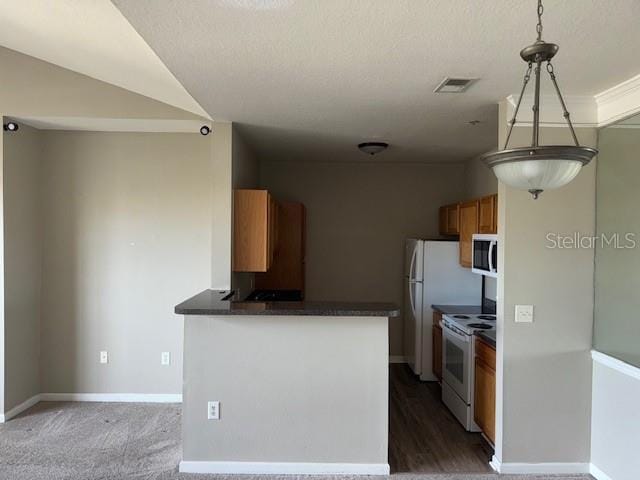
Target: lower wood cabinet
{"x":436,"y":351}
{"x":485,"y":389}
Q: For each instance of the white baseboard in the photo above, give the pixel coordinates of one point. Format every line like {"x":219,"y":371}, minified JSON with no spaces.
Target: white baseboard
{"x":397,"y":359}
{"x":285,"y":468}
{"x":113,"y":397}
{"x":597,"y":473}
{"x":18,"y":409}
{"x":91,"y":397}
{"x":539,"y":468}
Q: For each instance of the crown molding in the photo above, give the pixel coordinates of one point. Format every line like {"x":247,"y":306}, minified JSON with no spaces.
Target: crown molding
{"x":618,"y":102}
{"x":603,"y":109}
{"x":583,"y":109}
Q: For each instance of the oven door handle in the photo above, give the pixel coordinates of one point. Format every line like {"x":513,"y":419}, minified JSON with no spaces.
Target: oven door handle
{"x":456,"y":335}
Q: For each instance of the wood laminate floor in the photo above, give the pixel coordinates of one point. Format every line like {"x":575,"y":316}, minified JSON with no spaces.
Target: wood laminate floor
{"x":424,"y":436}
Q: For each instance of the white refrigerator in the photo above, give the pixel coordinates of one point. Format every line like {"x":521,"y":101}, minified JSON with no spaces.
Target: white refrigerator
{"x":432,"y":275}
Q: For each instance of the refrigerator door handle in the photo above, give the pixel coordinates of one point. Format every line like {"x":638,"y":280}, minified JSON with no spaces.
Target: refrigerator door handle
{"x":413,"y":308}
{"x":413,"y":264}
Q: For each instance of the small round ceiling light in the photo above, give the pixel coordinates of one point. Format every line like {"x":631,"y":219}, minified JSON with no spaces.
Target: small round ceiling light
{"x":373,"y":148}
{"x":10,"y":127}
{"x":205,"y":130}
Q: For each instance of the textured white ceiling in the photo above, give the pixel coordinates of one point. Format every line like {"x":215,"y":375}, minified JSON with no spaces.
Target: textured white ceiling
{"x":310,"y":79}
{"x":93,"y":38}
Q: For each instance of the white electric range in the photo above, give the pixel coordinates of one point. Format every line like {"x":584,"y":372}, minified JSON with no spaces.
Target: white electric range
{"x":458,"y":360}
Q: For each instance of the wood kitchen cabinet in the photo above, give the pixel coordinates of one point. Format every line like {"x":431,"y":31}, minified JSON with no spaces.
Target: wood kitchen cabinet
{"x":449,"y":219}
{"x":487,"y":214}
{"x":468,"y":222}
{"x":436,"y":351}
{"x":484,"y":413}
{"x":255,"y":220}
{"x":287,"y":269}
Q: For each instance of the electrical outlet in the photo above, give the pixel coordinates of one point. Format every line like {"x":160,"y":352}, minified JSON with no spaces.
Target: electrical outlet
{"x":165,"y":358}
{"x":213,"y":410}
{"x":524,"y":313}
{"x":104,"y":357}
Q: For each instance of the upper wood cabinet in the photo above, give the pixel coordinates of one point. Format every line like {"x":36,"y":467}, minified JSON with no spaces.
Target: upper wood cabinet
{"x":449,"y":219}
{"x":255,"y":219}
{"x":468,"y":226}
{"x":287,"y":270}
{"x":487,"y":214}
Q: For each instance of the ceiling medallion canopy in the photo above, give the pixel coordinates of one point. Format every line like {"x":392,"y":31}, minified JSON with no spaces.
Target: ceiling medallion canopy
{"x":539,"y":167}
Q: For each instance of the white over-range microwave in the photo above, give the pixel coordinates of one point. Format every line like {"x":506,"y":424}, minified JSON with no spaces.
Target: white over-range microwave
{"x":484,"y":254}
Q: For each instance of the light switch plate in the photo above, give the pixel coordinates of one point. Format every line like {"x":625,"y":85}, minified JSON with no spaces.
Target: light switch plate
{"x":213,"y":410}
{"x":104,"y":357}
{"x":165,"y":358}
{"x":524,"y":313}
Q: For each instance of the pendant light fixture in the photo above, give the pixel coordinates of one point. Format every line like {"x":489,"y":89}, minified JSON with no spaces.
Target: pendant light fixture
{"x":539,"y":167}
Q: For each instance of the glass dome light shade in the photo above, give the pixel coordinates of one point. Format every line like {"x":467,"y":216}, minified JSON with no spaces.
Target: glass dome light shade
{"x":539,"y":168}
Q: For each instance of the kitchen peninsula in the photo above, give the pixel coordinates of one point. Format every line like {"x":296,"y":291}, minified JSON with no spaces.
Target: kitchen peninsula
{"x":302,"y":386}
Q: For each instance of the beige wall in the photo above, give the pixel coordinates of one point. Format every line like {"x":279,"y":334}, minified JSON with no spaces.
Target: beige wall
{"x":32,"y":87}
{"x":544,"y":398}
{"x":221,"y":208}
{"x":479,"y":179}
{"x":245,"y":174}
{"x":358,"y":216}
{"x":23,"y":264}
{"x":617,"y":330}
{"x":303,"y":389}
{"x":128,"y":236}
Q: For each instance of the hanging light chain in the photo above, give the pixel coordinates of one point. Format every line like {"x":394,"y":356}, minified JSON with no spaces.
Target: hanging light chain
{"x":565,"y":112}
{"x":512,"y":122}
{"x":539,"y":25}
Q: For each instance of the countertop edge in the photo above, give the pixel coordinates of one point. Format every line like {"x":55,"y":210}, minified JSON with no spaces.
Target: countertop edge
{"x":212,"y":303}
{"x":295,"y":313}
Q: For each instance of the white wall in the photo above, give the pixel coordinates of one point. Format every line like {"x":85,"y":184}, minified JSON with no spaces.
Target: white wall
{"x":544,"y":368}
{"x":358,"y":216}
{"x":23,"y":264}
{"x":127,"y":236}
{"x":615,"y":419}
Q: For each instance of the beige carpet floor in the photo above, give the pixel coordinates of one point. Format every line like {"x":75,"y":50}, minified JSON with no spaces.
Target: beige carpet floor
{"x":111,"y":441}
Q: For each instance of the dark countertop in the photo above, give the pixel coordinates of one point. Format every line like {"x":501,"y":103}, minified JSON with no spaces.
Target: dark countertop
{"x":458,"y":309}
{"x":212,"y":302}
{"x":488,"y":336}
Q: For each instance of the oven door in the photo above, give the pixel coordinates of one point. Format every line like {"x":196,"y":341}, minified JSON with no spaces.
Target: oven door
{"x":456,"y":362}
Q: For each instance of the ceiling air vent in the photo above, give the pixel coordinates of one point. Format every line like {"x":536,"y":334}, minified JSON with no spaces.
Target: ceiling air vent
{"x":454,"y":85}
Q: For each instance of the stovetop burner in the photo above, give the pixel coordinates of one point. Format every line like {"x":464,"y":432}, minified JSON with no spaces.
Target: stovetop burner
{"x":487,"y":317}
{"x":462,"y":317}
{"x":481,"y":326}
